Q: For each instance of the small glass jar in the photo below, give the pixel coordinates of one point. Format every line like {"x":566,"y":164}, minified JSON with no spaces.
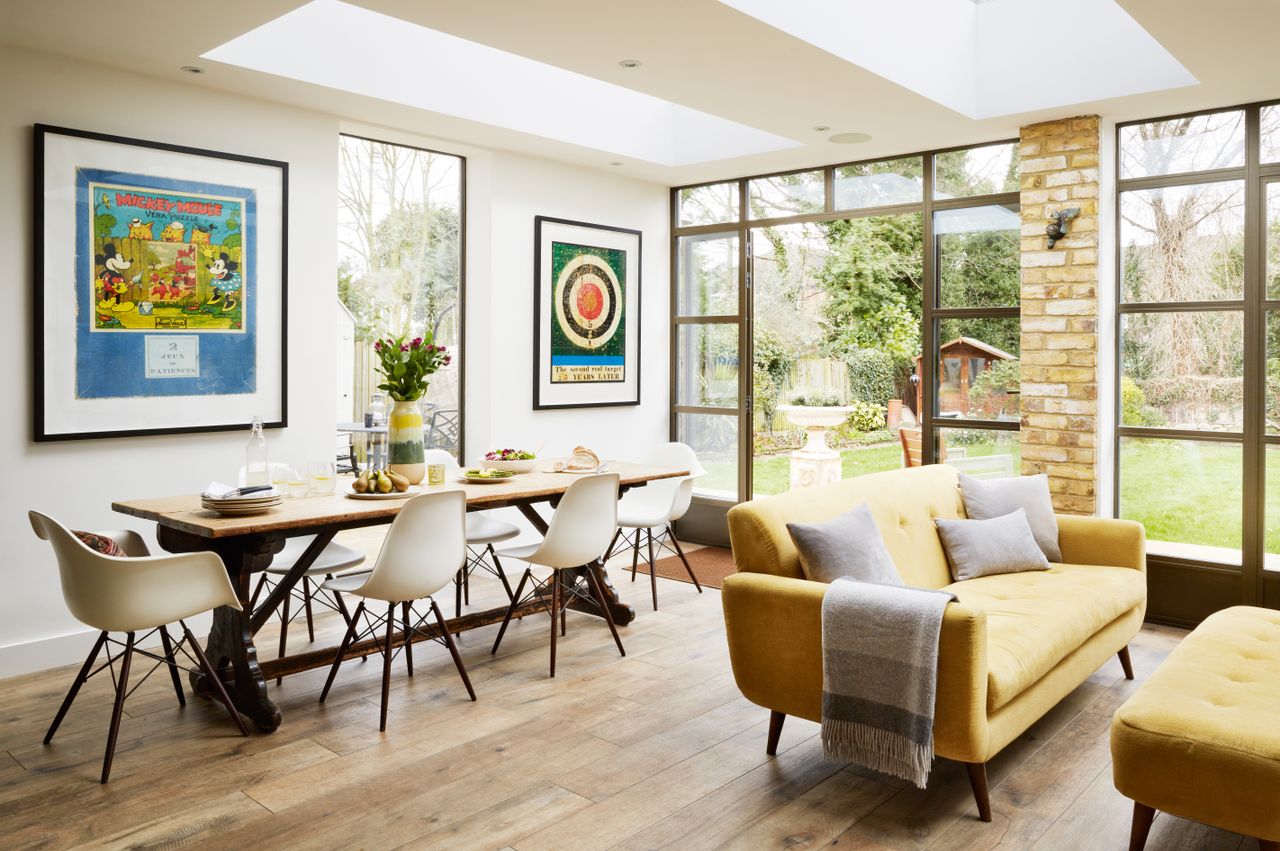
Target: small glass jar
{"x":435,"y":474}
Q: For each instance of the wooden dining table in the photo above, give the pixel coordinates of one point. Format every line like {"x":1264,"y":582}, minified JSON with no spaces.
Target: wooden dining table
{"x":246,"y":545}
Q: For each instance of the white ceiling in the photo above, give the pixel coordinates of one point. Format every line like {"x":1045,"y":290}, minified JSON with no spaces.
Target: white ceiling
{"x":701,"y":54}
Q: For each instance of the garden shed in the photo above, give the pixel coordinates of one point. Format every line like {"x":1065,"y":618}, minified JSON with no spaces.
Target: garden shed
{"x":961,"y":361}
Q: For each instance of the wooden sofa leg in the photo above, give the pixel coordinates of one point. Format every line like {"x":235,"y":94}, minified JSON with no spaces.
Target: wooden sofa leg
{"x":1126,"y":662}
{"x":978,"y":780}
{"x":1142,"y":818}
{"x":775,"y":731}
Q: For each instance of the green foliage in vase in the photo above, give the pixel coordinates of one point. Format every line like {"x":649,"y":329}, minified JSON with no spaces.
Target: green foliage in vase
{"x":407,"y":367}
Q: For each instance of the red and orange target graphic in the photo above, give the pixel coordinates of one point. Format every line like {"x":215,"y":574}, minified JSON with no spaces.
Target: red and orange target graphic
{"x":588,"y":302}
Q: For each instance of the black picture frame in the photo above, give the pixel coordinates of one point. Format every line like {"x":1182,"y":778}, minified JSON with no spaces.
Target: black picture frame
{"x":41,"y":432}
{"x":632,"y":315}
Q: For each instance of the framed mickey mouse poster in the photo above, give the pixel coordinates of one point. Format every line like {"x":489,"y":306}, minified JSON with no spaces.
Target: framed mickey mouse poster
{"x":586,"y":315}
{"x":160,"y":287}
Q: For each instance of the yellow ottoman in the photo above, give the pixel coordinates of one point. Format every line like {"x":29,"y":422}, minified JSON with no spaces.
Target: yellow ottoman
{"x":1201,"y":738}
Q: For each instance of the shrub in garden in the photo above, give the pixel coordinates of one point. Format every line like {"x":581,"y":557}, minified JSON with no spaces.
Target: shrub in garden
{"x":866,"y":416}
{"x":871,"y":375}
{"x":1134,"y":409}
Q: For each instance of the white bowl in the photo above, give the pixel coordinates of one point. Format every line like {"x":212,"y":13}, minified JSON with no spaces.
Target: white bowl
{"x":514,"y":466}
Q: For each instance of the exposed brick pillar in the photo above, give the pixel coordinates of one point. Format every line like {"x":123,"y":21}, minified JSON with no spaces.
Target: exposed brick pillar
{"x":1060,"y":311}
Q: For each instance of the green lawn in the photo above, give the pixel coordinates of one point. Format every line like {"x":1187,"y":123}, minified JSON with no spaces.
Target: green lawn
{"x":1180,"y":491}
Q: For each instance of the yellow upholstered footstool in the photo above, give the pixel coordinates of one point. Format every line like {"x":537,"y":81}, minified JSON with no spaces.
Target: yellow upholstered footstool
{"x":1201,"y":738}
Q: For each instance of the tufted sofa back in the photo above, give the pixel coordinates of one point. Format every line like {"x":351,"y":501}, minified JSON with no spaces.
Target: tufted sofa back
{"x":904,"y":504}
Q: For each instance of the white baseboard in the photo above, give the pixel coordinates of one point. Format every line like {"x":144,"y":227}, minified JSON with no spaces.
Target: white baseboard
{"x":70,"y":649}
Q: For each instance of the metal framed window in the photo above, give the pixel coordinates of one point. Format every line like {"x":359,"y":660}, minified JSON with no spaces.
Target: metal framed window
{"x":957,"y":191}
{"x":1197,"y":403}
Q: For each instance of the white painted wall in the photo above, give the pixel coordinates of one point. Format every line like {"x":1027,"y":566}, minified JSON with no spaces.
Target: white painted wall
{"x":76,"y":481}
{"x":522,"y":188}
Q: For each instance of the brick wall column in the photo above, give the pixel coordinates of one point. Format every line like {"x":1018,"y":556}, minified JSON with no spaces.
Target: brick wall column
{"x":1060,"y":311}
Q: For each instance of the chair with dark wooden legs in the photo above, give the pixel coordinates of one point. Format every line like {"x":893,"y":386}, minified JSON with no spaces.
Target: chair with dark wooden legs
{"x":423,"y":551}
{"x":658,"y":505}
{"x":334,"y":560}
{"x":139,"y":595}
{"x":581,"y":528}
{"x":483,"y":531}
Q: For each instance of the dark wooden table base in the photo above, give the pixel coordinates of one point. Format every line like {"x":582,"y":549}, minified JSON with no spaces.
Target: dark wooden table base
{"x":231,"y":648}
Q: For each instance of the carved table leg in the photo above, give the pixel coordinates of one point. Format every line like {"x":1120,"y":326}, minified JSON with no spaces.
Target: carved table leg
{"x":230,"y":649}
{"x":584,"y":602}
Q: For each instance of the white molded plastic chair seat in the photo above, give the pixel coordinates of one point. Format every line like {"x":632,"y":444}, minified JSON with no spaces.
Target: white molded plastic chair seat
{"x":347,"y":582}
{"x":137,"y":593}
{"x":582,"y":527}
{"x":421,"y":554}
{"x":658,"y":505}
{"x":334,"y":558}
{"x":483,"y":531}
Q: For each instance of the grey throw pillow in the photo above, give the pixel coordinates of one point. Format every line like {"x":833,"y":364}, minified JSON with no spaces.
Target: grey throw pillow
{"x":984,"y":500}
{"x":847,"y":545}
{"x":985,"y":547}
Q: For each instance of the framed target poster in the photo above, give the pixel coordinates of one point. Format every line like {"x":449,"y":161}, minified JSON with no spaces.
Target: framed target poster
{"x":586,"y":315}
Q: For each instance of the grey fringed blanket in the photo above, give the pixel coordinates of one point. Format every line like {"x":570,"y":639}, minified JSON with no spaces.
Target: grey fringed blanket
{"x":879,"y":672}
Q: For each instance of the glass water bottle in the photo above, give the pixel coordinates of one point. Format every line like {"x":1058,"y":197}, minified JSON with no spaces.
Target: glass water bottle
{"x":376,"y":418}
{"x":257,"y":469}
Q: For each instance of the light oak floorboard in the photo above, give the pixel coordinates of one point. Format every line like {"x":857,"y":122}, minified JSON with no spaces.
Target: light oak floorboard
{"x":655,"y":750}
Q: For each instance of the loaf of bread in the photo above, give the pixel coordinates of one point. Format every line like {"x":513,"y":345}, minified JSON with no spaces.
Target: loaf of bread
{"x":582,"y":458}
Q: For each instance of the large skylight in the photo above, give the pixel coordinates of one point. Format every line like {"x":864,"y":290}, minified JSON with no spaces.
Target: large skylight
{"x":986,"y":58}
{"x":345,"y":47}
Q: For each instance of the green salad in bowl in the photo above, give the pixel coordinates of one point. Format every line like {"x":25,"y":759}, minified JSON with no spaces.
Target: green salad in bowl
{"x":511,"y":460}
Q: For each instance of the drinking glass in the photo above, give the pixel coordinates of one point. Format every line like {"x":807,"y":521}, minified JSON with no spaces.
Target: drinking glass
{"x":323,"y":477}
{"x":281,"y":475}
{"x":299,"y":484}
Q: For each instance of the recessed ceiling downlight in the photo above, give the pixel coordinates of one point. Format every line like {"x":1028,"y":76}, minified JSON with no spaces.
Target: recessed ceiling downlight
{"x":849,"y":138}
{"x":630,"y":63}
{"x":192,"y":69}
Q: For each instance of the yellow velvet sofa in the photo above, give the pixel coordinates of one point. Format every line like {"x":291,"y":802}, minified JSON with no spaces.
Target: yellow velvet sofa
{"x":1010,"y":649}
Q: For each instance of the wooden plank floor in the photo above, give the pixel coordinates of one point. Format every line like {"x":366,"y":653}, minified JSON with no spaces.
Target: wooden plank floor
{"x":654,"y":750}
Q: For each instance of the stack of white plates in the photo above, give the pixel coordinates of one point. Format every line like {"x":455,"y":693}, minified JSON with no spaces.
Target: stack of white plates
{"x":239,"y":505}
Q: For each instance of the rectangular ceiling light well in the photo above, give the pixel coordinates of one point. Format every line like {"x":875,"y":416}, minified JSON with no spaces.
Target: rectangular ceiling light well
{"x":345,"y":47}
{"x":973,"y":57}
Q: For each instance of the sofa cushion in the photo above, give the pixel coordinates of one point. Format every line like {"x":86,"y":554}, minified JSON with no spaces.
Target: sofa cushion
{"x":1035,"y":620}
{"x":986,"y":547}
{"x":847,"y":545}
{"x":984,"y":500}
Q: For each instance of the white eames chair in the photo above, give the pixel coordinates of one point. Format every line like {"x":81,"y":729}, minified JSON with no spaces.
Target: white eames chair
{"x":422,"y":553}
{"x":581,"y":528}
{"x":334,"y":560}
{"x":483,"y":532}
{"x":658,"y":505}
{"x":140,"y":593}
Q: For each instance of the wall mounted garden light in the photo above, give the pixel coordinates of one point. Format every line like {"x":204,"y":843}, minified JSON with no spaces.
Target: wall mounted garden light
{"x":1057,"y":227}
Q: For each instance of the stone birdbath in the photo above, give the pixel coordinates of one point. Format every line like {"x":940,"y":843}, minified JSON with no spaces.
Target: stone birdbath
{"x":815,"y":463}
